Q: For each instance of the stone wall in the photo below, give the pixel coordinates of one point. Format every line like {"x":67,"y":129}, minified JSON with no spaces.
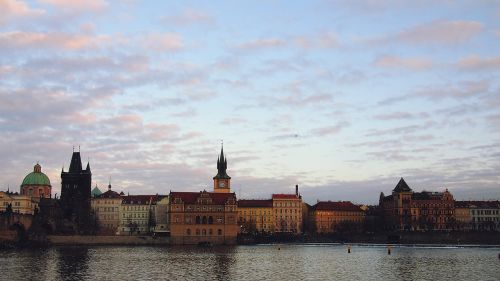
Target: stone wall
{"x":107,"y":240}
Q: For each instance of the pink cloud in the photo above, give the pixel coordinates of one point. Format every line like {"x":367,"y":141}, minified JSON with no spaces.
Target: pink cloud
{"x":189,"y":16}
{"x":77,"y":5}
{"x":437,"y":32}
{"x":398,"y":62}
{"x":261,"y":44}
{"x":67,"y":41}
{"x":323,"y":40}
{"x":476,"y":62}
{"x":163,"y":41}
{"x":13,"y":8}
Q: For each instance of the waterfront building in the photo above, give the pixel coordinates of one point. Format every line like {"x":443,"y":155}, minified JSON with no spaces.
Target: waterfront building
{"x":205,"y":217}
{"x":36,"y":184}
{"x":288,"y":212}
{"x":162,"y":217}
{"x":408,"y":210}
{"x":485,"y":215}
{"x":137,"y":214}
{"x":256,"y":216}
{"x":343,"y":216}
{"x":106,"y":208}
{"x":21,"y":204}
{"x":463,"y":217}
{"x":75,"y":194}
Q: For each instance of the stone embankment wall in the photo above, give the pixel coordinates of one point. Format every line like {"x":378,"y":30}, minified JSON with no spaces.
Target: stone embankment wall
{"x":106,"y":240}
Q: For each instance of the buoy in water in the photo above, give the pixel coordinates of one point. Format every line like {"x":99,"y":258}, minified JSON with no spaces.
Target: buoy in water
{"x":349,"y":249}
{"x":388,"y":250}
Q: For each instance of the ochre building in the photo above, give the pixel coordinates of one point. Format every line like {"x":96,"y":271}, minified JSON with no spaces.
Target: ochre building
{"x":329,"y":217}
{"x":205,"y":217}
{"x":288,"y":212}
{"x":256,"y":216}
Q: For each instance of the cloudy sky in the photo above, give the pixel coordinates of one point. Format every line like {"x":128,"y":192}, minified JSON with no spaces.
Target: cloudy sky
{"x":340,"y":97}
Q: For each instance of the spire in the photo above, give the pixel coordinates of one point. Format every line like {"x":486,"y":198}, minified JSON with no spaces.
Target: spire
{"x":76,"y":163}
{"x":88,"y":166}
{"x":222,"y":165}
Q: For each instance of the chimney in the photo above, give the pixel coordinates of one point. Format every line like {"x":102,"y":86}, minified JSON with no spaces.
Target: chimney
{"x":297,"y":190}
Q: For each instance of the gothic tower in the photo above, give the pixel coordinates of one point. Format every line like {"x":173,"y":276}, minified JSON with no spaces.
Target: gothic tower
{"x":222,"y":182}
{"x":76,"y":193}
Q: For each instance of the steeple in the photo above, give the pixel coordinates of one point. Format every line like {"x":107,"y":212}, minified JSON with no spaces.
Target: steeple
{"x":76,"y":163}
{"x":222,"y":166}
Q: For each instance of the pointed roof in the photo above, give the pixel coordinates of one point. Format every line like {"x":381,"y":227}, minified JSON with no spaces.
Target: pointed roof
{"x":96,"y":192}
{"x":402,"y":186}
{"x":222,"y":166}
{"x":76,"y":163}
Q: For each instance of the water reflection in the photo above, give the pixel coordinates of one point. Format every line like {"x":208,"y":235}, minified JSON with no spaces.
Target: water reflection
{"x":72,"y":263}
{"x":271,"y":262}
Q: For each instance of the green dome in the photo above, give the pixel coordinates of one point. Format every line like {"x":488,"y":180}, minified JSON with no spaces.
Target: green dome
{"x":36,"y":177}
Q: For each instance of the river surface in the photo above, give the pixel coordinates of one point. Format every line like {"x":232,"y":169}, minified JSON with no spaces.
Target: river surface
{"x":261,"y":262}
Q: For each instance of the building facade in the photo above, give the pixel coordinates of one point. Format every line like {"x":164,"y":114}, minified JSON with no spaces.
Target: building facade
{"x":256,"y":216}
{"x":137,"y":214}
{"x":485,"y":215}
{"x":288,"y":212}
{"x":330,"y":217}
{"x":162,"y":224}
{"x":21,"y":204}
{"x":36,"y":184}
{"x":410,"y":211}
{"x":106,"y":208}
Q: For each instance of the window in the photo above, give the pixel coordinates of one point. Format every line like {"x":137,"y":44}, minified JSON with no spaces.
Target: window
{"x":197,"y":231}
{"x":188,"y":231}
{"x":204,"y":232}
{"x":210,"y":232}
{"x":210,"y":220}
{"x":219,"y":232}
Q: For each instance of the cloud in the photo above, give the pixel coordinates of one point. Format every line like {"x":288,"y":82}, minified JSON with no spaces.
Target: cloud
{"x":259,"y":44}
{"x":405,"y":63}
{"x":77,"y":5}
{"x":12,"y":9}
{"x":329,"y":130}
{"x":476,"y":62}
{"x":188,"y":17}
{"x":436,"y":32}
{"x":400,"y":115}
{"x":15,"y":40}
{"x":163,"y":41}
{"x":464,"y":89}
{"x":325,"y":40}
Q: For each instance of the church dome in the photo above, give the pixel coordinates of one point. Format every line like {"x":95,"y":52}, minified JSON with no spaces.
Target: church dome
{"x":36,"y":177}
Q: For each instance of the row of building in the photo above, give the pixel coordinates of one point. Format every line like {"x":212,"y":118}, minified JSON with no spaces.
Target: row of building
{"x":217,"y":216}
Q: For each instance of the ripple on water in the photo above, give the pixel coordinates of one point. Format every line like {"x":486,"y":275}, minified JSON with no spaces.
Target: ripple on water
{"x":262,"y":262}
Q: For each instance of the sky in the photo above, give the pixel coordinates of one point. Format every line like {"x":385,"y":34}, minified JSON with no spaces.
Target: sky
{"x":340,"y":97}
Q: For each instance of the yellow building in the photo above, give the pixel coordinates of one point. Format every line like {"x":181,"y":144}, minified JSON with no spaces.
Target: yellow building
{"x":288,"y":212}
{"x":137,"y":214}
{"x":328,"y":217}
{"x":106,"y":207}
{"x":256,"y":215}
{"x":22,"y":204}
{"x":463,"y":217}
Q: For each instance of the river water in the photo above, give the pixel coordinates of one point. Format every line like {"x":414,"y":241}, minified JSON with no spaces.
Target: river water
{"x":261,"y":262}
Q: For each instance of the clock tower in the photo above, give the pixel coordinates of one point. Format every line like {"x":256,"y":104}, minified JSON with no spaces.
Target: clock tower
{"x":222,"y":182}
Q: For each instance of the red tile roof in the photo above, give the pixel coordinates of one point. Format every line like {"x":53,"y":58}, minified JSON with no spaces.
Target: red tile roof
{"x":255,"y":203}
{"x":336,"y":206}
{"x":285,"y":196}
{"x":191,"y":197}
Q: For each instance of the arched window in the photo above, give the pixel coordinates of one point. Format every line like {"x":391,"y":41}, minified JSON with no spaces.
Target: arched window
{"x":204,"y":232}
{"x":198,"y":221}
{"x":204,"y":220}
{"x":210,"y":220}
{"x":188,"y":231}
